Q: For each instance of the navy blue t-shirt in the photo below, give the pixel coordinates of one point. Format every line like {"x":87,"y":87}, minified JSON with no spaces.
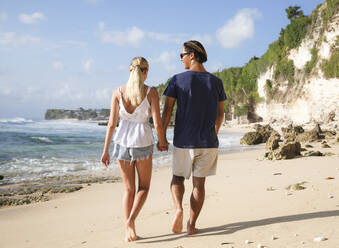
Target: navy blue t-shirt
{"x":197,"y":94}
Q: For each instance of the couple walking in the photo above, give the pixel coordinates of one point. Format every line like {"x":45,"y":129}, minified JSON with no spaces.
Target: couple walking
{"x":200,"y":109}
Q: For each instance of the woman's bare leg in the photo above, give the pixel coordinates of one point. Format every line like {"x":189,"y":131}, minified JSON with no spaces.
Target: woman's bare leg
{"x":144,"y":169}
{"x":128,"y":176}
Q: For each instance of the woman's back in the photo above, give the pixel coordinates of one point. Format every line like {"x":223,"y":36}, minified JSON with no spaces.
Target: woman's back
{"x":134,"y":128}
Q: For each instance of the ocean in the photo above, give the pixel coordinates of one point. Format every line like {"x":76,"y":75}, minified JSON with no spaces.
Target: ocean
{"x":31,"y":150}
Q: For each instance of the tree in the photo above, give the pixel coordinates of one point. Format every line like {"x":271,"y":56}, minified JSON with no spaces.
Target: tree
{"x":293,"y":12}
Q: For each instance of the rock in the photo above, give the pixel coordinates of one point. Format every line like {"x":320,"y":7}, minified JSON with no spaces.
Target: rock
{"x":331,"y":116}
{"x":308,"y":146}
{"x":274,"y":238}
{"x":104,"y":123}
{"x":308,"y":136}
{"x":264,"y":131}
{"x":325,"y":145}
{"x":286,"y":151}
{"x":329,"y":134}
{"x":328,"y":154}
{"x":313,"y":154}
{"x":247,"y":241}
{"x":297,"y":186}
{"x":317,"y":128}
{"x":273,"y":142}
{"x":303,"y":149}
{"x":251,"y":138}
{"x":260,"y":246}
{"x":319,"y":239}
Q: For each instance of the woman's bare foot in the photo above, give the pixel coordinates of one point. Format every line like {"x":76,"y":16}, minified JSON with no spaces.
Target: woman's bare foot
{"x":130,"y":231}
{"x":191,"y":229}
{"x":177,"y":222}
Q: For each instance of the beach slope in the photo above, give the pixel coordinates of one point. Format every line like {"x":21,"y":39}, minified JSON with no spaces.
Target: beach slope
{"x":247,"y":204}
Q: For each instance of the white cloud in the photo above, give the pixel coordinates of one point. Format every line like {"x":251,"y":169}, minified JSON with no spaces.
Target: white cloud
{"x":132,"y":36}
{"x":3,"y":16}
{"x":205,"y":40}
{"x":11,"y":38}
{"x":58,"y":65}
{"x":32,"y":19}
{"x":176,"y":38}
{"x":238,"y":29}
{"x":165,"y":57}
{"x":88,"y":66}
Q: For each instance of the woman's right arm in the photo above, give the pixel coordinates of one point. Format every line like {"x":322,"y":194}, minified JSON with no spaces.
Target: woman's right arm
{"x":113,"y":119}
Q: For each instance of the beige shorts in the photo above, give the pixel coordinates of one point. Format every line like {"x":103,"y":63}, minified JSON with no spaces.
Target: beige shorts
{"x":202,"y":161}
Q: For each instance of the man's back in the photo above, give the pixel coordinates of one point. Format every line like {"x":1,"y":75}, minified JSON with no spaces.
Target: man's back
{"x":197,"y":94}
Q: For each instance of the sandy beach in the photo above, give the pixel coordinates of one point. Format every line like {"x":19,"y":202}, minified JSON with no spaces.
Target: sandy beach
{"x":246,"y":204}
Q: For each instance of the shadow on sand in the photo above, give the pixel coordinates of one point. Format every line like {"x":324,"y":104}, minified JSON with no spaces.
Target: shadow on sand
{"x":234,"y":227}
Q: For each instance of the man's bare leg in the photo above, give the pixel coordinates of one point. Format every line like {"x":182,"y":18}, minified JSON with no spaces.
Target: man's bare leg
{"x":197,"y":201}
{"x":178,"y":190}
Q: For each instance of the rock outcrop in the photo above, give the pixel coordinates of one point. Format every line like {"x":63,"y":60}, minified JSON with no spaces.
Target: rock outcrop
{"x":78,"y":114}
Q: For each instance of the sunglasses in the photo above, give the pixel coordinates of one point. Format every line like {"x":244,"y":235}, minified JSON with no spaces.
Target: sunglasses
{"x":183,"y":54}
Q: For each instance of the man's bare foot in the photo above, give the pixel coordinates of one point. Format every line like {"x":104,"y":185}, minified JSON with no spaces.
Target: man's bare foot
{"x":130,"y":232}
{"x":191,"y":229}
{"x":177,"y":222}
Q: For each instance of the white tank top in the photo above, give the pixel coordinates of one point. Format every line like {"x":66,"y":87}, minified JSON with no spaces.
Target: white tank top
{"x":134,"y":129}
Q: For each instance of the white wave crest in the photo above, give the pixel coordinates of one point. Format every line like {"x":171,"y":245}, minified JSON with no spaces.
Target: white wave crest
{"x":42,"y":139}
{"x":15,"y":120}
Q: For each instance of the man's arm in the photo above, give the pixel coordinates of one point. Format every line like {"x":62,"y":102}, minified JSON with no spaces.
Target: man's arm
{"x":167,"y":112}
{"x":220,"y":116}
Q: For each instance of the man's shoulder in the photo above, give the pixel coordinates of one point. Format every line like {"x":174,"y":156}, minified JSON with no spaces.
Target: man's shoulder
{"x":215,"y":78}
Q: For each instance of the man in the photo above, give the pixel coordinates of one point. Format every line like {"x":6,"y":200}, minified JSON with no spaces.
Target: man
{"x":200,"y":100}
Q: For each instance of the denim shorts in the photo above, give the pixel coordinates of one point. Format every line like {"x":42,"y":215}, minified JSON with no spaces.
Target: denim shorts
{"x":131,"y":153}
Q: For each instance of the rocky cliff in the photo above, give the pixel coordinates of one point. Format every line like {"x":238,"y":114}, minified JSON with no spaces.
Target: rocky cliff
{"x":296,"y":79}
{"x":79,"y":114}
{"x":312,"y":94}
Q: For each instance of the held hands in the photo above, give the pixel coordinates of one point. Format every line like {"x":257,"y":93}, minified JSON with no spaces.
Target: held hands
{"x":162,"y":145}
{"x":105,"y":159}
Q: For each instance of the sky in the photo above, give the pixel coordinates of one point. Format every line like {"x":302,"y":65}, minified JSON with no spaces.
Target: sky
{"x":73,"y":53}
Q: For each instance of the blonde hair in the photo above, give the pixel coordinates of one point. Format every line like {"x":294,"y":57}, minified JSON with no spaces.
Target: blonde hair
{"x":135,"y":84}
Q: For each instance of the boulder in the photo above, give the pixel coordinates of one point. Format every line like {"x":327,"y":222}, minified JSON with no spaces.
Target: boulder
{"x":308,"y":136}
{"x":287,"y":150}
{"x":251,"y":138}
{"x":264,"y":131}
{"x":273,"y":142}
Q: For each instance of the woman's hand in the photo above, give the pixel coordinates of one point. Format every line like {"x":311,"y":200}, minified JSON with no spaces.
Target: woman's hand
{"x":105,"y":159}
{"x":162,"y":145}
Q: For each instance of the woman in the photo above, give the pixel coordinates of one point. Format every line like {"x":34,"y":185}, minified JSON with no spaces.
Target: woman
{"x":134,"y":103}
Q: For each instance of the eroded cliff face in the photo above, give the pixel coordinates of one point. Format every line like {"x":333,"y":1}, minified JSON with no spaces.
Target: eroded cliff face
{"x":313,"y":97}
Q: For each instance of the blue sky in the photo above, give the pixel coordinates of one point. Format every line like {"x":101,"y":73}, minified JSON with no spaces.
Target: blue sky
{"x":71,"y":54}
